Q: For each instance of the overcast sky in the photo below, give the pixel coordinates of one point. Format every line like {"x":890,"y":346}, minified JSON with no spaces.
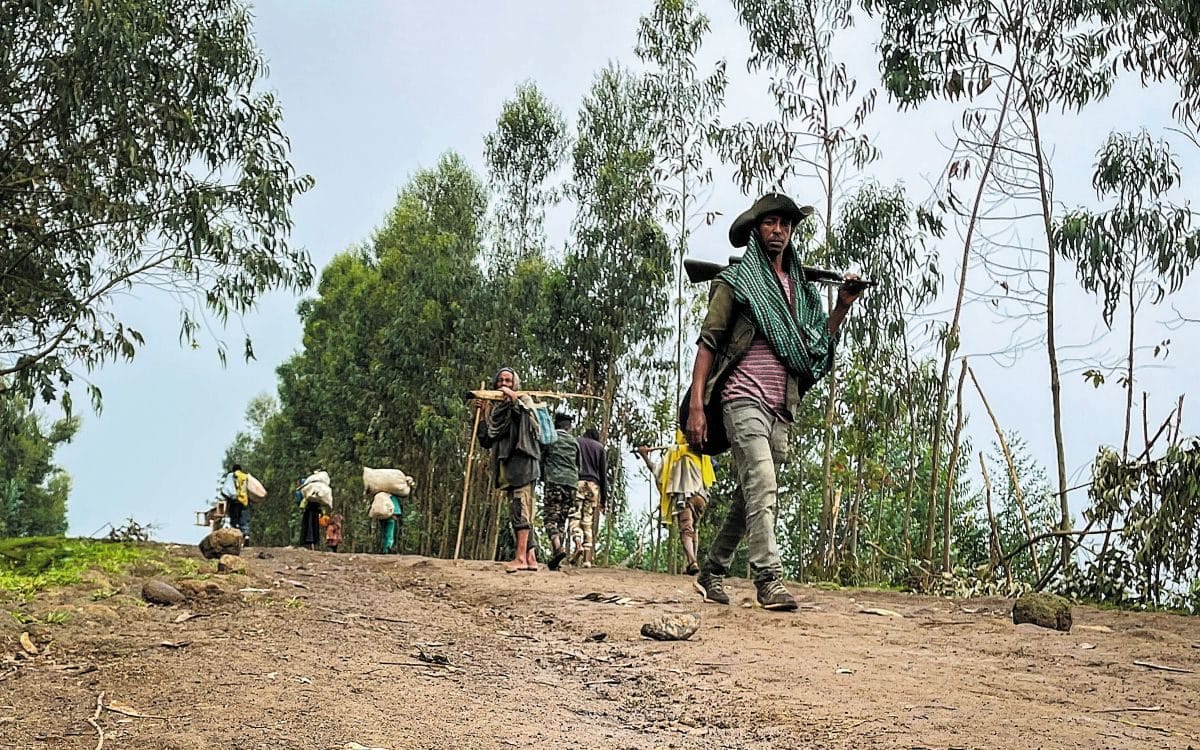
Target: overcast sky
{"x":373,"y":91}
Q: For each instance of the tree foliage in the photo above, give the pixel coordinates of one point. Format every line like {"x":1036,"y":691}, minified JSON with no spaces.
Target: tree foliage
{"x":135,"y":152}
{"x":33,"y":490}
{"x":530,"y":142}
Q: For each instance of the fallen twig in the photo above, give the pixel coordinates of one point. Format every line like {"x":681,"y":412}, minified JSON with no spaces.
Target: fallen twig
{"x":933,"y":623}
{"x":1127,"y":708}
{"x":95,"y":724}
{"x":879,"y":611}
{"x":601,"y":682}
{"x":1161,"y":667}
{"x":1129,"y":723}
{"x":723,"y":663}
{"x":584,"y":657}
{"x":380,"y":618}
{"x":124,"y":710}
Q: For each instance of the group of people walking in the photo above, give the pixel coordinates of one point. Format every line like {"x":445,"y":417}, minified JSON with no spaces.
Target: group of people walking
{"x":765,"y":341}
{"x":574,"y":472}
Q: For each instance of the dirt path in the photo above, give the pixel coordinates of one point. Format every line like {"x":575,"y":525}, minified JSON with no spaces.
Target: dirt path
{"x":331,"y":653}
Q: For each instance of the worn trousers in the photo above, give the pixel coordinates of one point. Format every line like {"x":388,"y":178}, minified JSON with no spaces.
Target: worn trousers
{"x":758,"y":443}
{"x":587,"y":499}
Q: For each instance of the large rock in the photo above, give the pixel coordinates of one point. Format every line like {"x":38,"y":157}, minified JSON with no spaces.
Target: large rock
{"x":672,"y":627}
{"x":197,"y":589}
{"x":1043,"y":610}
{"x":160,"y":592}
{"x":231,"y":564}
{"x":222,"y":542}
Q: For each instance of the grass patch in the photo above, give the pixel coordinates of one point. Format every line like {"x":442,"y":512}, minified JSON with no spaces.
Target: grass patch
{"x":33,"y":564}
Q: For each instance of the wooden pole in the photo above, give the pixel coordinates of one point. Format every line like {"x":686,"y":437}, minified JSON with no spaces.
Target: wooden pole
{"x":462,"y":513}
{"x":1018,"y":495}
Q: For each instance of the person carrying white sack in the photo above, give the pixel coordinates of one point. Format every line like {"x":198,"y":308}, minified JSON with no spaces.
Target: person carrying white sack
{"x":237,"y":501}
{"x":386,"y":487}
{"x":315,"y":494}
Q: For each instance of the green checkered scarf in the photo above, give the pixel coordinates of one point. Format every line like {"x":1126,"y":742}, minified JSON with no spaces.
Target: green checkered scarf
{"x":800,"y":336}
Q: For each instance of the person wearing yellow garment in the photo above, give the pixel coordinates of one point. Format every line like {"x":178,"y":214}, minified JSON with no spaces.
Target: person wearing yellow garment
{"x":237,"y":503}
{"x":683,"y":479}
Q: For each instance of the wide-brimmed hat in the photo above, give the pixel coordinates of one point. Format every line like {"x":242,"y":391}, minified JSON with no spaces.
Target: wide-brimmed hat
{"x":771,"y":203}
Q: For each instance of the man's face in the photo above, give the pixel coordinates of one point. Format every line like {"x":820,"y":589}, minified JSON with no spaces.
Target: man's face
{"x":776,"y":233}
{"x":504,"y":380}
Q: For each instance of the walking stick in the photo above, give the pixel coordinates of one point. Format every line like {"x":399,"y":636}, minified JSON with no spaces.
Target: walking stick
{"x":462,"y":513}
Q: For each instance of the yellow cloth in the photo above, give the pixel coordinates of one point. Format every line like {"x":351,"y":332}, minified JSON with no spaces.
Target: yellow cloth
{"x":239,"y":483}
{"x":680,"y":452}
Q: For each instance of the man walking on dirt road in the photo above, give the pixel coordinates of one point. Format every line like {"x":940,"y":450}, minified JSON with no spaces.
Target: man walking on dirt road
{"x":764,"y":342}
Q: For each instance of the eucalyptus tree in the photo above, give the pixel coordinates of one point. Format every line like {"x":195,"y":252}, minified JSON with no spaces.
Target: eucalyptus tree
{"x":527,"y":147}
{"x":1141,"y":248}
{"x":33,"y":489}
{"x":683,"y":105}
{"x":608,"y":318}
{"x":1142,"y":502}
{"x":1159,"y":39}
{"x":137,"y":151}
{"x":880,"y":232}
{"x":1046,"y":56}
{"x":387,"y":343}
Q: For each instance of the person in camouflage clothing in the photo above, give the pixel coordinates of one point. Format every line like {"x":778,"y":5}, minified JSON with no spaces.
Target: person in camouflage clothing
{"x":560,"y":475}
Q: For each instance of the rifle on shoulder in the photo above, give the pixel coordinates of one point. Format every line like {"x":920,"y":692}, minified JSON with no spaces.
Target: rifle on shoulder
{"x":699,"y":271}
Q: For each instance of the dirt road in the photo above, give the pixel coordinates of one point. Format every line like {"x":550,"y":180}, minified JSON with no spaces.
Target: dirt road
{"x":318,"y":651}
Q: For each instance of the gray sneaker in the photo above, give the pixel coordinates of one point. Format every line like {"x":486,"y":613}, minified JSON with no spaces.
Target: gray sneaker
{"x":711,"y":587}
{"x":773,"y":595}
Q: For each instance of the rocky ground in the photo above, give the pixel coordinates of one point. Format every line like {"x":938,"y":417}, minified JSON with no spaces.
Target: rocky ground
{"x":323,"y":651}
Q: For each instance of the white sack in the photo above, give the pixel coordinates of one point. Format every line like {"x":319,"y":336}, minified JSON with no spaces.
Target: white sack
{"x":254,"y":489}
{"x":318,"y":476}
{"x":393,"y":481}
{"x":318,"y":492}
{"x":381,"y":507}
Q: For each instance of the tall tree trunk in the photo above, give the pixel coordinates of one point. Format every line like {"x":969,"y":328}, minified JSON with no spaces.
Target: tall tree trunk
{"x":952,"y":471}
{"x":1129,"y":358}
{"x":952,"y":333}
{"x":610,"y":389}
{"x":910,"y":484}
{"x":1051,"y":346}
{"x":995,"y":553}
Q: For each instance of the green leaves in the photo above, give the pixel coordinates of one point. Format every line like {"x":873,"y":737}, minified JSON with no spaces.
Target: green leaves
{"x":137,"y":153}
{"x":1143,"y":237}
{"x":33,"y":490}
{"x":1150,"y":551}
{"x":529,"y":144}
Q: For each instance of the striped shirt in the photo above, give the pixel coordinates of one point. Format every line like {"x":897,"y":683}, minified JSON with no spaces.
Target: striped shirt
{"x":760,"y":374}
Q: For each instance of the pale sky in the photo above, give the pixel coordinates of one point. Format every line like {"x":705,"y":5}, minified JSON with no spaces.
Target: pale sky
{"x":373,"y":91}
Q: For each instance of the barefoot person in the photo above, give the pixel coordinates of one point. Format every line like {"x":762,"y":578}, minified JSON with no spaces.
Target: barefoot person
{"x":765,"y":340}
{"x":516,"y":456}
{"x":683,"y":478}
